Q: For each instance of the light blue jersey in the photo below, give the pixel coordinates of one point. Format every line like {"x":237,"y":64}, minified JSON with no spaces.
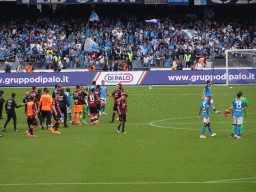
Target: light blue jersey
{"x":69,"y":98}
{"x":204,"y":106}
{"x":92,"y":87}
{"x":103,"y":91}
{"x":207,"y":91}
{"x":238,"y":106}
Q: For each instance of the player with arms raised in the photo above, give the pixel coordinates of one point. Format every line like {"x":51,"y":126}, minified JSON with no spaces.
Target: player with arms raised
{"x":122,"y":111}
{"x":205,"y":106}
{"x":207,"y":93}
{"x":236,"y":109}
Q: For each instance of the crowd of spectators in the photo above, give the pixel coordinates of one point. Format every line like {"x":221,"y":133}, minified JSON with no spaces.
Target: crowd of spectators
{"x":57,"y":43}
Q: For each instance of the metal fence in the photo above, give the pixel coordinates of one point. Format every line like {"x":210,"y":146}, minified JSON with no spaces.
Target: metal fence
{"x":158,"y":63}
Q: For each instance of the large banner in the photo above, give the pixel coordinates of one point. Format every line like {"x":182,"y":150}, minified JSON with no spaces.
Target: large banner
{"x":78,"y":1}
{"x":178,"y":2}
{"x":199,"y":77}
{"x":123,"y":77}
{"x":224,"y":2}
{"x":45,"y":79}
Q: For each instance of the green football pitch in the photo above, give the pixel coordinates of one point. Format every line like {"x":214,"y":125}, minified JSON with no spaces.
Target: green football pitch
{"x":161,"y":151}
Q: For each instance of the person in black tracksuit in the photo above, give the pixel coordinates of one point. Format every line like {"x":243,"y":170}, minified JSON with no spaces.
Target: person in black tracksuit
{"x":1,"y":103}
{"x":10,"y":110}
{"x":63,"y":102}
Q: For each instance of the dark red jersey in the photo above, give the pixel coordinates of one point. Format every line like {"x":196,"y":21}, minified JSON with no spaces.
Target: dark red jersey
{"x":116,"y":94}
{"x":92,"y":100}
{"x":55,"y":103}
{"x":121,"y":91}
{"x":97,"y":92}
{"x":79,"y":98}
{"x":122,"y":105}
{"x":35,"y":95}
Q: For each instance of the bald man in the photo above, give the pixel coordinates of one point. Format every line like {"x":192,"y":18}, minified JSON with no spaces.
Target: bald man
{"x":25,"y":100}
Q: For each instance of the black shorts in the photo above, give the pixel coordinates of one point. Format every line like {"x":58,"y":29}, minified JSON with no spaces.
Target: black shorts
{"x":93,"y":110}
{"x":115,"y":107}
{"x":56,"y":118}
{"x":98,"y":107}
{"x":122,"y":117}
{"x":31,"y":120}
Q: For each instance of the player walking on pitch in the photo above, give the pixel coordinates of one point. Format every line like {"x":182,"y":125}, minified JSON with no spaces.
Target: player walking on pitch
{"x":242,"y":126}
{"x":205,"y":106}
{"x":56,"y":113}
{"x":103,"y":93}
{"x":206,"y":93}
{"x":92,"y":100}
{"x":31,"y":116}
{"x":122,"y":111}
{"x":236,"y":109}
{"x":116,"y":94}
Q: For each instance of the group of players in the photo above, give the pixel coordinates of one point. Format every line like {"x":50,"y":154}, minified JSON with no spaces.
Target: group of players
{"x":88,"y":101}
{"x":237,"y":109}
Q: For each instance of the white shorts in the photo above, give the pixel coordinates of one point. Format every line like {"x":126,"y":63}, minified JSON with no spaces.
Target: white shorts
{"x":237,"y":120}
{"x":103,"y":100}
{"x":206,"y":120}
{"x":68,"y":110}
{"x":210,"y":101}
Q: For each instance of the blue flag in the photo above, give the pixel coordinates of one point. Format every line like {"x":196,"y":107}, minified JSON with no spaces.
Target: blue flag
{"x":189,"y":33}
{"x":153,"y":21}
{"x":94,"y":17}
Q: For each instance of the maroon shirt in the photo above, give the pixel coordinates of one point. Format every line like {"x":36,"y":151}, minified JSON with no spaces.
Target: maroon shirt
{"x":92,"y":100}
{"x":121,"y":91}
{"x":35,"y":95}
{"x":78,"y":97}
{"x":116,"y":94}
{"x":122,"y":105}
{"x":97,"y":92}
{"x":55,"y":103}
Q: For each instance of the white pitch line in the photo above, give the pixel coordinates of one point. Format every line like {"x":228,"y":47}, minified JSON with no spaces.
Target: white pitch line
{"x":239,"y":180}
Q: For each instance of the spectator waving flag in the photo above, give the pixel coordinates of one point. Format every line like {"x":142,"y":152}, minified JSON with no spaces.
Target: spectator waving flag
{"x":153,"y":21}
{"x":94,"y":17}
{"x":189,"y":33}
{"x":90,"y":46}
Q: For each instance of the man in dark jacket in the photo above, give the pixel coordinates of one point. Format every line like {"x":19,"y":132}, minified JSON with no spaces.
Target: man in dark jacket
{"x":115,"y":67}
{"x":7,"y":68}
{"x":10,"y":110}
{"x":1,"y":103}
{"x":63,"y":102}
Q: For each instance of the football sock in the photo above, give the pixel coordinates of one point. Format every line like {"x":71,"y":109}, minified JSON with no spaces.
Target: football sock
{"x":232,"y":132}
{"x":210,"y":129}
{"x":77,"y":117}
{"x":235,"y":129}
{"x":70,"y":118}
{"x":203,"y":130}
{"x":123,"y":127}
{"x":119,"y":126}
{"x":103,"y":108}
{"x":56,"y":127}
{"x":238,"y":130}
{"x":74,"y":116}
{"x":87,"y":109}
{"x":62,"y":117}
{"x":84,"y":115}
{"x":113,"y":117}
{"x":31,"y":131}
{"x":215,"y":110}
{"x":242,"y":129}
